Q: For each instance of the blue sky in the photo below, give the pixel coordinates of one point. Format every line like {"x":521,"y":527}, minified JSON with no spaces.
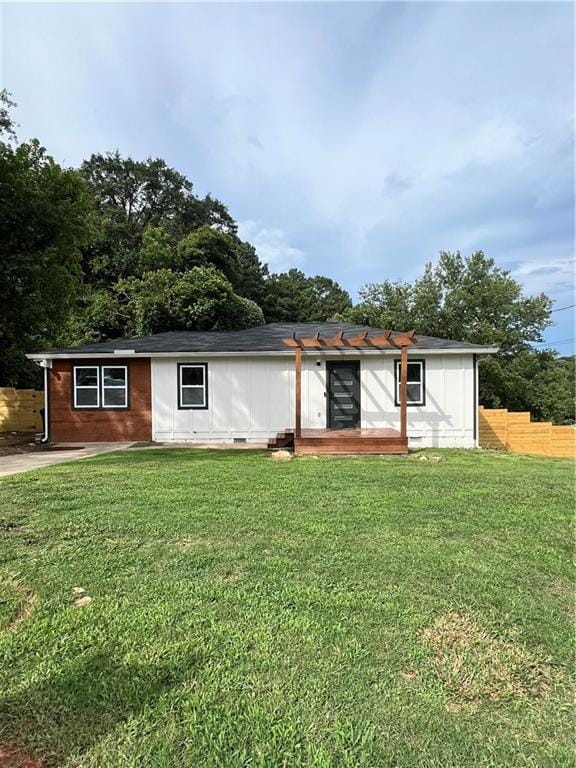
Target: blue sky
{"x":349,"y":139}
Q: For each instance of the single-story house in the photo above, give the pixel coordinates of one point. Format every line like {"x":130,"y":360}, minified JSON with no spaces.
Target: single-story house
{"x":324,"y":387}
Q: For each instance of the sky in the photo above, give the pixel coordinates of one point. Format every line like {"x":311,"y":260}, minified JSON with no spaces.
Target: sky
{"x":355,"y":140}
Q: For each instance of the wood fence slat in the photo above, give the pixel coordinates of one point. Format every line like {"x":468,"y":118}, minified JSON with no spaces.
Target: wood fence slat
{"x":498,"y":428}
{"x":20,"y":410}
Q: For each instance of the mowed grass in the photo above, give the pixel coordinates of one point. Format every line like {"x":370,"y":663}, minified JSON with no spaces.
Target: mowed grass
{"x":333,"y":612}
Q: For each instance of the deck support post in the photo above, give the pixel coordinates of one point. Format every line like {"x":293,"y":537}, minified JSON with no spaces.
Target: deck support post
{"x":404,"y":392}
{"x":298,"y":424}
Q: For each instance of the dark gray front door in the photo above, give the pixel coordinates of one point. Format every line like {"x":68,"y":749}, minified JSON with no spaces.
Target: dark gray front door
{"x":343,"y":394}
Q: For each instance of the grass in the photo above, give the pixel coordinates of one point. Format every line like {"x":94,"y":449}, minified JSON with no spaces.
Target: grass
{"x":376,"y":611}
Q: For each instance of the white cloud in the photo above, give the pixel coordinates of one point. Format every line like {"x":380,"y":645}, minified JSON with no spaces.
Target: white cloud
{"x":553,"y":274}
{"x":391,"y":130}
{"x":271,"y":245}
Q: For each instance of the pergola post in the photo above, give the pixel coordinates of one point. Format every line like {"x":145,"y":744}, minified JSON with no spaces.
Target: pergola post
{"x":404,"y":392}
{"x":298,"y":425}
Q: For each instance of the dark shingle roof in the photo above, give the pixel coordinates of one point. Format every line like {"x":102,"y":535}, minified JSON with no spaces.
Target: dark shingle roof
{"x":264,"y":338}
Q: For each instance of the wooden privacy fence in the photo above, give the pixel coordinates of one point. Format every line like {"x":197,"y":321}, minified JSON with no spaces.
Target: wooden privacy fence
{"x":506,"y":431}
{"x":20,"y":410}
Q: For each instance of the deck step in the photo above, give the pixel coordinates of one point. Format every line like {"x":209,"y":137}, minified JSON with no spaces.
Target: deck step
{"x":282,"y":440}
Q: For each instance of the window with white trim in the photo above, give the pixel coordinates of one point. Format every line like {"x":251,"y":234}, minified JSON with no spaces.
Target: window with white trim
{"x":100,"y":386}
{"x":86,"y":386}
{"x":193,"y":386}
{"x":114,"y":386}
{"x":415,"y":382}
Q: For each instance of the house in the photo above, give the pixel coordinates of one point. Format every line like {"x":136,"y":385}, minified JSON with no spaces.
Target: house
{"x":327,"y":387}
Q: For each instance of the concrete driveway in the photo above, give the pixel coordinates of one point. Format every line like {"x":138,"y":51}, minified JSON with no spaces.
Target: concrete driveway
{"x":24,"y":462}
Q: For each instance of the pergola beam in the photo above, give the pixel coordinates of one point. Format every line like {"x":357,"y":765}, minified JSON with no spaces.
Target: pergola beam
{"x":298,"y":393}
{"x":404,"y":393}
{"x":360,"y":341}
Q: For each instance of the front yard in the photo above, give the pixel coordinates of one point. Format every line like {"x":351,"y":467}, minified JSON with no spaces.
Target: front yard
{"x":376,"y":611}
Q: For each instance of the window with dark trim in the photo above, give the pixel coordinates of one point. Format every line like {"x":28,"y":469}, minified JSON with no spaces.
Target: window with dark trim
{"x":193,"y":386}
{"x":416,"y":382}
{"x":100,"y":387}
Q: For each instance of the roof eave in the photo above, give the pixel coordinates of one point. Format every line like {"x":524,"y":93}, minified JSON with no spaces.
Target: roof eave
{"x":37,"y":356}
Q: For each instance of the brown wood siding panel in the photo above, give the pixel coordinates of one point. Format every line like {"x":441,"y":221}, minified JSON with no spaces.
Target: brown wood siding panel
{"x":79,"y":426}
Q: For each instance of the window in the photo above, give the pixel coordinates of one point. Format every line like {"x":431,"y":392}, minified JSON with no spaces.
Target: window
{"x":98,"y":386}
{"x":114,"y":386}
{"x":86,"y":387}
{"x":416,"y":382}
{"x":192,"y":386}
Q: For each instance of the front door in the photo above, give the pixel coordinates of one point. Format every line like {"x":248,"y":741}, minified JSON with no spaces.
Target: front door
{"x":343,"y":394}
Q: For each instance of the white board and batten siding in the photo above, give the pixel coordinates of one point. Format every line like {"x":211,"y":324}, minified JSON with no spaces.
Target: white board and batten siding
{"x":252,"y":398}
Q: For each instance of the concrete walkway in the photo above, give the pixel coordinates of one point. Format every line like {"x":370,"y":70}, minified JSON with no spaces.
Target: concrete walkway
{"x":24,"y":462}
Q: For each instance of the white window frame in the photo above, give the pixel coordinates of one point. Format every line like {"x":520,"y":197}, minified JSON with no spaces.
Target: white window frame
{"x":421,"y":381}
{"x":122,"y":386}
{"x":204,"y":387}
{"x":76,"y":387}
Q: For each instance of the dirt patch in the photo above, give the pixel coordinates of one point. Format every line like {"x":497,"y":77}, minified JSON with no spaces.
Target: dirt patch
{"x":15,"y":758}
{"x":26,"y":599}
{"x":477,"y":666}
{"x":17,"y":442}
{"x":13,"y":443}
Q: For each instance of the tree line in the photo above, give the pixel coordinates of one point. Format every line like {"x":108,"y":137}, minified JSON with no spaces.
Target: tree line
{"x":120,"y":247}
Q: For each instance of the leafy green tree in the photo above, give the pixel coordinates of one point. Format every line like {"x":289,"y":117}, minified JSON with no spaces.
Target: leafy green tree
{"x":132,"y":196}
{"x":200,"y":299}
{"x":468,"y":299}
{"x":252,"y":274}
{"x":46,"y":220}
{"x":533,"y":380}
{"x":7,"y":124}
{"x":293,"y":297}
{"x":156,"y":252}
{"x":208,"y":247}
{"x":471,"y":299}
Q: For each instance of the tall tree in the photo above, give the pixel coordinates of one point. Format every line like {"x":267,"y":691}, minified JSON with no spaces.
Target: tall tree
{"x":133,"y":195}
{"x":46,"y":220}
{"x":471,"y":299}
{"x":7,"y":124}
{"x":293,"y":297}
{"x":200,"y":299}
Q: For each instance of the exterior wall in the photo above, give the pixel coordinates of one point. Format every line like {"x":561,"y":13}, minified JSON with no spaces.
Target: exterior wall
{"x":100,"y":425}
{"x":248,"y":397}
{"x":253,"y":398}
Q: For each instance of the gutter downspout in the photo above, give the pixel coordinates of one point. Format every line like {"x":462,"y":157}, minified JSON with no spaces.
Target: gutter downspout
{"x":475,"y":398}
{"x":47,"y":365}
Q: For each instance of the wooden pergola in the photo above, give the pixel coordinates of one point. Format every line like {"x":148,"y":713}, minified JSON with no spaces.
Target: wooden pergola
{"x":359,"y":341}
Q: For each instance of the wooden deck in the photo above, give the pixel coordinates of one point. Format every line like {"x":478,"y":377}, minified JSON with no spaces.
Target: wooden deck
{"x":349,"y":441}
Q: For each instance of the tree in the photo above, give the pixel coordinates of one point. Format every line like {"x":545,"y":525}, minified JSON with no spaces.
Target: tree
{"x":252,"y":274}
{"x":208,"y":247}
{"x":7,"y":124}
{"x":156,"y":252}
{"x":533,"y":380}
{"x":200,"y":299}
{"x":46,"y":220}
{"x":293,"y":297}
{"x":468,"y":299}
{"x":132,"y":196}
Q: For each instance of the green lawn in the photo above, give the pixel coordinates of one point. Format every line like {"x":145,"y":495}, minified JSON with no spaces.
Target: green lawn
{"x":377,"y":611}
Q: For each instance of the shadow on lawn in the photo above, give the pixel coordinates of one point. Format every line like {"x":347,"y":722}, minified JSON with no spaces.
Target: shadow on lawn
{"x":67,"y":713}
